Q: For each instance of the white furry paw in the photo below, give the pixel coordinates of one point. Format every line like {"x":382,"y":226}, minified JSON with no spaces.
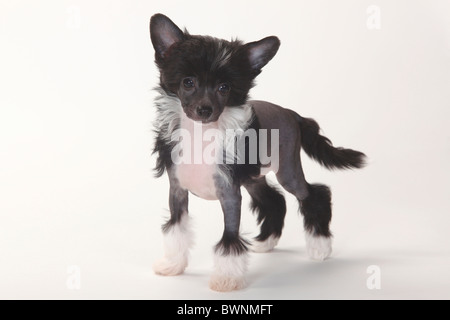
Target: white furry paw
{"x":229,"y":272}
{"x":318,"y":247}
{"x":226,"y":283}
{"x":264,"y":246}
{"x":165,"y":267}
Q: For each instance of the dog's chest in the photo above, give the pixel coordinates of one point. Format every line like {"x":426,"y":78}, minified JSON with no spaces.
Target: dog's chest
{"x":197,"y":169}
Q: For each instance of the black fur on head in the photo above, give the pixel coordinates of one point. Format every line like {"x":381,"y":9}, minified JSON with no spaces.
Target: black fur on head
{"x":207,"y":74}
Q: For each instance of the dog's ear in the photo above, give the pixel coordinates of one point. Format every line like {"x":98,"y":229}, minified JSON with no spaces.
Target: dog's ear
{"x":164,"y":33}
{"x":261,"y":52}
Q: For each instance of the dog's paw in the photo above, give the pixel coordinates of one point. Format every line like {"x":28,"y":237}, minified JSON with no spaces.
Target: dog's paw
{"x":264,"y":246}
{"x":226,"y":283}
{"x":318,"y":247}
{"x":166,"y":267}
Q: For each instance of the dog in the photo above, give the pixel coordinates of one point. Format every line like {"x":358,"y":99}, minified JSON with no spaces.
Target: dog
{"x":204,"y":87}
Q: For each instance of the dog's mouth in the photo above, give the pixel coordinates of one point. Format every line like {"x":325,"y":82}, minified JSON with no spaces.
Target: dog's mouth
{"x":201,"y":115}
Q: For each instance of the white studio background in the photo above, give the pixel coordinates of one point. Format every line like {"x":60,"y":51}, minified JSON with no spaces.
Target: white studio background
{"x":80,"y":211}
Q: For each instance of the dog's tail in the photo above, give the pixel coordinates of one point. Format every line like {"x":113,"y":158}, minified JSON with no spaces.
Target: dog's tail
{"x":321,"y":149}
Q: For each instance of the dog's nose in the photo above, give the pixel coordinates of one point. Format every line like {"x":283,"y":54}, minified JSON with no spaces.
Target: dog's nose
{"x":204,"y":112}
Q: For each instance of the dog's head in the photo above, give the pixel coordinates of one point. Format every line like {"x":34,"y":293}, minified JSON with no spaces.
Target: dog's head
{"x":205,"y":73}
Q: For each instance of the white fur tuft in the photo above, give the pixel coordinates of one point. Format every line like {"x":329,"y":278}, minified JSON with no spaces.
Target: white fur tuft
{"x":177,"y":241}
{"x":169,"y":112}
{"x":318,"y":247}
{"x":229,"y":272}
{"x":223,"y":55}
{"x":264,"y":246}
{"x":235,"y":119}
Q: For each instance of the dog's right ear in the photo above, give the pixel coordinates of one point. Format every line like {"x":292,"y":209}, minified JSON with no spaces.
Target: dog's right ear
{"x":163,"y":33}
{"x":260,"y":52}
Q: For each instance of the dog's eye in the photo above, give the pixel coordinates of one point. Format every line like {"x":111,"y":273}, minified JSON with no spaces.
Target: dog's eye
{"x":188,"y":83}
{"x":224,"y":88}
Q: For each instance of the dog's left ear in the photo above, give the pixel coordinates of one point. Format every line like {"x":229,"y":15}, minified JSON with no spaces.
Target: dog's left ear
{"x":164,"y":33}
{"x":261,"y":52}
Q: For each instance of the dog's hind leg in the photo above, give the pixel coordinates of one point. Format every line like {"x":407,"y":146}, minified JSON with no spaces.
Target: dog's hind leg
{"x":316,"y":210}
{"x":315,"y":206}
{"x":177,"y":235}
{"x":270,"y":206}
{"x":230,"y":256}
{"x":315,"y":200}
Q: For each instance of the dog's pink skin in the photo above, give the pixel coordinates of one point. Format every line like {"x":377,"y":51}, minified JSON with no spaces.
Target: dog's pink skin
{"x":197,"y":178}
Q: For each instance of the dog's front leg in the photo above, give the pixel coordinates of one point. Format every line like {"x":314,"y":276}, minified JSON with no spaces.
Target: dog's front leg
{"x":230,"y":256}
{"x":176,"y":231}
